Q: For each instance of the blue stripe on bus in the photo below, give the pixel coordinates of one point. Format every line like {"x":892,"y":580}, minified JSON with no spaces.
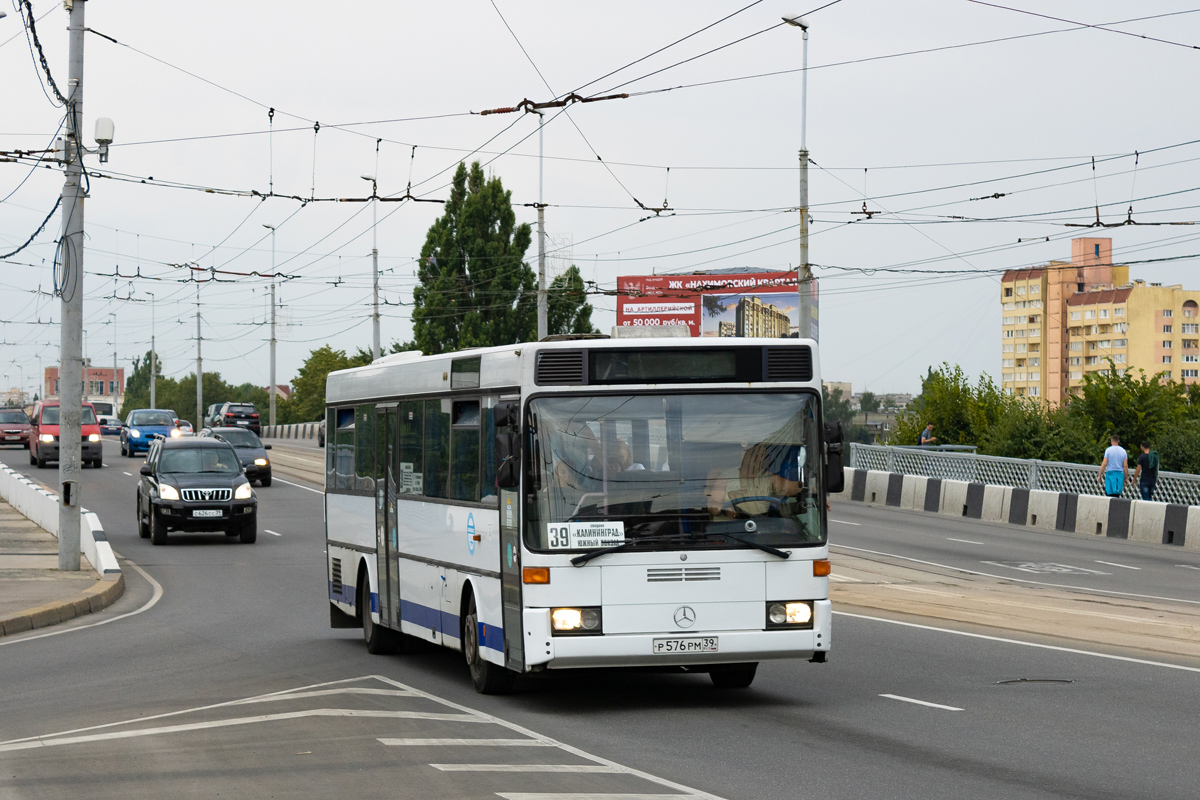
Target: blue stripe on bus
{"x":490,"y":636}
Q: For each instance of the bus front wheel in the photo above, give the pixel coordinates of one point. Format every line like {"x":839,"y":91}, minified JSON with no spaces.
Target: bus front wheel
{"x":734,"y":676}
{"x":380,"y":641}
{"x":487,"y":677}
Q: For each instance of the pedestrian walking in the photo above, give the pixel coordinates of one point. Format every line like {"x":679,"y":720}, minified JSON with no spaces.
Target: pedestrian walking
{"x":927,"y":436}
{"x":1146,"y":473}
{"x":1113,"y":468}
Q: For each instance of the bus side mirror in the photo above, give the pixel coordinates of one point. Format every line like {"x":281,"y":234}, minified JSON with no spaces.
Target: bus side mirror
{"x":504,"y":415}
{"x":835,"y":477}
{"x":508,"y":460}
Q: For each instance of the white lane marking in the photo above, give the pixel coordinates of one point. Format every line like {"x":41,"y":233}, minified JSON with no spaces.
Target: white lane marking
{"x":299,"y":485}
{"x":273,"y":533}
{"x":964,"y":541}
{"x":1011,"y":579}
{"x":130,"y":474}
{"x":1114,"y":564}
{"x":284,"y":694}
{"x":903,"y":699}
{"x":226,"y":723}
{"x":158,"y":593}
{"x":526,"y":768}
{"x":689,"y":792}
{"x":843,"y":578}
{"x":300,"y":695}
{"x":591,"y":796}
{"x":1187,"y":566}
{"x":845,"y":522}
{"x":1003,"y":640}
{"x":1045,"y":568}
{"x":467,"y":742}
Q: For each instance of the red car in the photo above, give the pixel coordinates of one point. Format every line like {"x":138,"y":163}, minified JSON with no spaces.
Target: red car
{"x":43,"y":436}
{"x":14,"y":427}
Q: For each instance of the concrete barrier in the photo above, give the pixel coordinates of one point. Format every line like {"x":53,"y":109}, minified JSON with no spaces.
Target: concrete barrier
{"x":912,"y":492}
{"x":875,"y":490}
{"x":1147,"y":523}
{"x":953,"y":498}
{"x":1042,"y":509}
{"x":1091,"y":514}
{"x":41,"y":508}
{"x":994,"y":505}
{"x":300,"y":430}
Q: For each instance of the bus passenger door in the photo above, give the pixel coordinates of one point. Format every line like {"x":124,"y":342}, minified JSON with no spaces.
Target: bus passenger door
{"x":385,"y":518}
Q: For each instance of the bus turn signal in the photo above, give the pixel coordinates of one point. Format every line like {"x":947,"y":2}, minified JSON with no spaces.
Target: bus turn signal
{"x":821,"y":568}
{"x":535,"y":575}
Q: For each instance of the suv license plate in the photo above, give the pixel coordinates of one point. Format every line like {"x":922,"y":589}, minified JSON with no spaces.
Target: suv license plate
{"x":684,"y":644}
{"x":243,"y":422}
{"x":206,"y":512}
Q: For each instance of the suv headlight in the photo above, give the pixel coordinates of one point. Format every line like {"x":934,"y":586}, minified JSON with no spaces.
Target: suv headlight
{"x":93,"y":437}
{"x":135,"y":433}
{"x":243,"y":492}
{"x":167,"y":492}
{"x":46,"y":437}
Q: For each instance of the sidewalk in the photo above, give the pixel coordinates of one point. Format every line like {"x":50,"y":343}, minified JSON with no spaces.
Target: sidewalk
{"x":33,"y":592}
{"x":871,"y":584}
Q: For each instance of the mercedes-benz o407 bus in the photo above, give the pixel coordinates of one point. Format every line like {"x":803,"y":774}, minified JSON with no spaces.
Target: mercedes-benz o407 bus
{"x":585,"y":503}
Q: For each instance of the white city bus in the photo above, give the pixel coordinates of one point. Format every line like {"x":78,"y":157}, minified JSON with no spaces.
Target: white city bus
{"x":585,"y":502}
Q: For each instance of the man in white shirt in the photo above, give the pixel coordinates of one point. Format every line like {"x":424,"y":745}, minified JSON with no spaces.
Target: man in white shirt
{"x":1113,"y":468}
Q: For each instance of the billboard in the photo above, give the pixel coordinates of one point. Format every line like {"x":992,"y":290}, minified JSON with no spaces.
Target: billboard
{"x":765,"y":304}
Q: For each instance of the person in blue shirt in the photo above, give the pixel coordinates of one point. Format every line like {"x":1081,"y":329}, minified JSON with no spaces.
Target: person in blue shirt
{"x":1114,"y":467}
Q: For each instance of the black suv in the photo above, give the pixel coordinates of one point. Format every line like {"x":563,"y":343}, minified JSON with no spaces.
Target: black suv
{"x":195,"y":485}
{"x":238,"y":415}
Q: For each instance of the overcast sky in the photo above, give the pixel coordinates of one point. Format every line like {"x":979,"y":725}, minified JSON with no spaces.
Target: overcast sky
{"x":919,"y":137}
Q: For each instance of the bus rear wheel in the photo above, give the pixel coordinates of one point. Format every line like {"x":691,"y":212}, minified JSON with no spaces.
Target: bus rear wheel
{"x":734,"y":676}
{"x":487,"y":677}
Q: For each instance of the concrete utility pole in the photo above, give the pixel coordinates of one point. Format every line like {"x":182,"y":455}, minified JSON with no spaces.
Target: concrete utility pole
{"x":153,"y":355}
{"x":115,"y":386}
{"x":374,"y":256}
{"x":808,"y":325}
{"x":70,"y":370}
{"x":199,"y":364}
{"x":543,"y":303}
{"x":271,"y":388}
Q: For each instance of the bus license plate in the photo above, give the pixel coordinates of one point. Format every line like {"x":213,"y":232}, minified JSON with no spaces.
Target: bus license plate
{"x":685,"y":644}
{"x":206,"y":512}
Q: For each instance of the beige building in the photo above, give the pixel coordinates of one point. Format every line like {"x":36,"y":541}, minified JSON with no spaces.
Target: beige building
{"x":1066,"y":319}
{"x":756,"y":318}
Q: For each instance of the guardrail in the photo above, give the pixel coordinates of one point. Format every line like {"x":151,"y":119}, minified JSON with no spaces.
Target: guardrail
{"x":1055,"y":476}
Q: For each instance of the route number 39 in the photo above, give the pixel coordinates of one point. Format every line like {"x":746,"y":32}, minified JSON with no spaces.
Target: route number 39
{"x":560,"y":536}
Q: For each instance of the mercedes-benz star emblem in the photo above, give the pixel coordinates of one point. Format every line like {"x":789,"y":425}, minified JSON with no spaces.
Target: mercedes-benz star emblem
{"x":685,"y":617}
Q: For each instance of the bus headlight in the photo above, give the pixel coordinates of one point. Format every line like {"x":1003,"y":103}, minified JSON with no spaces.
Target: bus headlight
{"x":243,"y":492}
{"x":580,"y":621}
{"x":167,"y":492}
{"x":93,"y":437}
{"x":790,"y":614}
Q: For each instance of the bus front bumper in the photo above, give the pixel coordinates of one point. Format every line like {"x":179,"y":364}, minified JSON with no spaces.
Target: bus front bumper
{"x":638,"y":649}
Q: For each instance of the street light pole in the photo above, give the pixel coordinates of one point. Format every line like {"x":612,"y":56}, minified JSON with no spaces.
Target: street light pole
{"x":153,"y":355}
{"x":71,"y":291}
{"x":808,"y":312}
{"x":271,"y":389}
{"x":114,"y":384}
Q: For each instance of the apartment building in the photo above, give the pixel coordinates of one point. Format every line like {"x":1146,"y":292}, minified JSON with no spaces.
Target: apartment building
{"x":753,"y":317}
{"x":1064,"y":320}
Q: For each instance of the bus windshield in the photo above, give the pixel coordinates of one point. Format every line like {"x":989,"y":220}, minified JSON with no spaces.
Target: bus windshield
{"x":680,"y":470}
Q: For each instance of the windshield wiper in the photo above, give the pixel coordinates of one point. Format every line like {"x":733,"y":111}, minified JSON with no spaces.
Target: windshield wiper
{"x":766,"y":548}
{"x":583,"y":558}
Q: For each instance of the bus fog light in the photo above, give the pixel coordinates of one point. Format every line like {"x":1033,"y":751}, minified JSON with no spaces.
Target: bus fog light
{"x":566,"y":619}
{"x":590,"y":619}
{"x":778,"y":614}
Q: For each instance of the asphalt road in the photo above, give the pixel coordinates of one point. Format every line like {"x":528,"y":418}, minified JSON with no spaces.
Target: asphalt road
{"x":1015,"y":553}
{"x":231,"y":684}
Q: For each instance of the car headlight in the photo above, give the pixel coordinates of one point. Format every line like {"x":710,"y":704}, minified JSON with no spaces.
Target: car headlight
{"x":46,"y":437}
{"x":176,"y":433}
{"x":93,"y":437}
{"x":260,"y":462}
{"x":576,"y":621}
{"x":243,"y":492}
{"x":168,"y":492}
{"x":135,"y":433}
{"x":793,"y":614}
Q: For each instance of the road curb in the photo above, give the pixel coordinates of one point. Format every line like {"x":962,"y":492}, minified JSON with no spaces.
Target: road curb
{"x":103,"y":593}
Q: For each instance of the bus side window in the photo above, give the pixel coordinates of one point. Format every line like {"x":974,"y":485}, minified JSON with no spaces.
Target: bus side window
{"x":330,"y":447}
{"x":464,"y":466}
{"x":344,"y":464}
{"x":412,"y":464}
{"x":364,"y":451}
{"x":437,"y":448}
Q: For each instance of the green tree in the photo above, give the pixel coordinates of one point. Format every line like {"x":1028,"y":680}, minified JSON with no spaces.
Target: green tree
{"x":568,"y":310}
{"x":1178,"y":447}
{"x":308,"y":389}
{"x":1134,"y":408}
{"x":868,"y":403}
{"x":475,"y":289}
{"x":137,"y":386}
{"x":836,"y":408}
{"x":960,"y":413}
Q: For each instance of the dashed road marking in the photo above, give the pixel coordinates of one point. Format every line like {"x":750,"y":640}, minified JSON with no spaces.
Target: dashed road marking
{"x":1114,"y":564}
{"x":964,"y":541}
{"x":1187,"y":566}
{"x":130,"y":474}
{"x":845,"y":522}
{"x":903,"y":699}
{"x":526,"y":768}
{"x":591,"y":796}
{"x":299,"y":485}
{"x":464,"y":742}
{"x":273,"y":533}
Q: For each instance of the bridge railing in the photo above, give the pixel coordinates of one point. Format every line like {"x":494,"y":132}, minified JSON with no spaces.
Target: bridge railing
{"x":1057,"y":476}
